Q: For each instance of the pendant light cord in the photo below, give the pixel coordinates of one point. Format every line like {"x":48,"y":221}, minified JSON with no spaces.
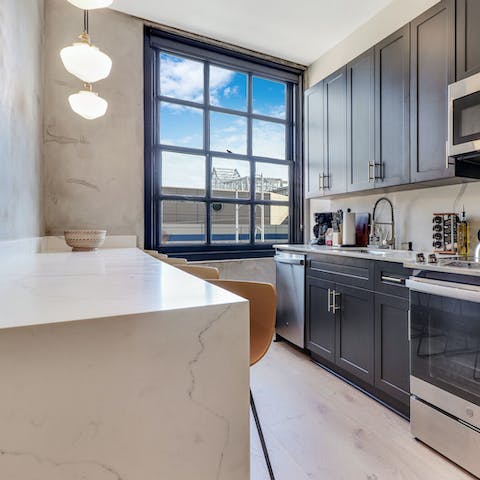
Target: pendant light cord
{"x":85,"y":21}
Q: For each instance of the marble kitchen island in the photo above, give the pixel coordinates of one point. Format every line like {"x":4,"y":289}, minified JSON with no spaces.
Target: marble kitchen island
{"x":116,"y":366}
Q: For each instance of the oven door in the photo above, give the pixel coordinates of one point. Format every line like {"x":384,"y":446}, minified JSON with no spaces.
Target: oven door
{"x":445,"y":338}
{"x":464,"y":116}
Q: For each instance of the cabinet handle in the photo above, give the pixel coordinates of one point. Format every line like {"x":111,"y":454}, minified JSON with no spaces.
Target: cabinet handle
{"x":374,"y":166}
{"x":328,"y":181}
{"x":368,"y":172}
{"x":329,"y":302}
{"x":335,"y":294}
{"x":320,"y":181}
{"x":447,"y":158}
{"x":387,"y":278}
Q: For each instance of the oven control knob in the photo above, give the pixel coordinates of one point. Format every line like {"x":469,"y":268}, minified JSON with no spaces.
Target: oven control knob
{"x":469,"y":412}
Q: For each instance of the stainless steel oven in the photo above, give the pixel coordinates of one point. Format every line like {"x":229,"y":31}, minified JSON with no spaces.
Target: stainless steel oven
{"x":464,"y":116}
{"x":445,"y":368}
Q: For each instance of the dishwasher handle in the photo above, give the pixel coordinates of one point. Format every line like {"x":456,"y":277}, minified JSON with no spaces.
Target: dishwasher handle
{"x":290,"y":261}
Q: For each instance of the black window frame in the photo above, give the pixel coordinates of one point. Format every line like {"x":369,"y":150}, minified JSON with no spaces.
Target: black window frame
{"x":156,"y":40}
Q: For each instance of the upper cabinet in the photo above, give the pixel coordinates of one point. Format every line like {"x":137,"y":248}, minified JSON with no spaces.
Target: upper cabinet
{"x":361,"y":122}
{"x":335,"y":108}
{"x":314,"y":141}
{"x":468,"y":38}
{"x":432,"y":69}
{"x":392,"y":84}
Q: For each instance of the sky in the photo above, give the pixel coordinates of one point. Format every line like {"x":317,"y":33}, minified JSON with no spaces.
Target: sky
{"x":183,"y":126}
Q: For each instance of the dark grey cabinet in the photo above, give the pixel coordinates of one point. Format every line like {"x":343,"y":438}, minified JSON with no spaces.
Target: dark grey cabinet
{"x":467,"y":38}
{"x":314,"y":141}
{"x":392,"y":85}
{"x":357,"y":323}
{"x":392,"y":364}
{"x":335,"y":131}
{"x":361,"y":122}
{"x":320,"y":336}
{"x":354,"y":350}
{"x":432,"y":69}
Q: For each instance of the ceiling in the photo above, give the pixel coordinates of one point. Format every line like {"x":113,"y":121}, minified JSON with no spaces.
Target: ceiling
{"x":299,"y":31}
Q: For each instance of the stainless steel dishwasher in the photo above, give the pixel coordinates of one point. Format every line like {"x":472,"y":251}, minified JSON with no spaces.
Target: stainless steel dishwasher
{"x":290,"y":324}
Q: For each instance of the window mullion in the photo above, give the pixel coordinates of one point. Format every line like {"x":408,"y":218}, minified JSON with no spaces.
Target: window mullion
{"x":252,"y":163}
{"x":206,"y":143}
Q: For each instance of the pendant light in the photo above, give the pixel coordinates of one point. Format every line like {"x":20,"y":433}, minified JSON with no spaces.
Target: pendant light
{"x":84,"y":60}
{"x":89,"y":64}
{"x":91,"y":4}
{"x":88,"y":104}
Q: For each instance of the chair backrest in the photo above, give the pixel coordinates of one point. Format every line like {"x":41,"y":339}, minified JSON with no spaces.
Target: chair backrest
{"x":201,"y":271}
{"x":165,"y":258}
{"x":263,"y":307}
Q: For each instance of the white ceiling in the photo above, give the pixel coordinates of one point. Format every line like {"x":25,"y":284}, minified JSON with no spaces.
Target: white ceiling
{"x":295,"y":30}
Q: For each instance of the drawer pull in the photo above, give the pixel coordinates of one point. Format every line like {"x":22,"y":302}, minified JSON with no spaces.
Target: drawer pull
{"x":387,"y":278}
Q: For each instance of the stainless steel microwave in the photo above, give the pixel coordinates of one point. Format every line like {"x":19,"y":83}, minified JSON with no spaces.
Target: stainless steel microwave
{"x":464,"y":117}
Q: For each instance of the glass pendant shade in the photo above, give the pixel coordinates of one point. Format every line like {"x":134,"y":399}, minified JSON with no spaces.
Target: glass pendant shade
{"x":86,"y":62}
{"x":91,"y":4}
{"x":88,"y":104}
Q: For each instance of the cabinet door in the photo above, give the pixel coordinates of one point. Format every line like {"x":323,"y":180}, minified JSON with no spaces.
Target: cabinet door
{"x":392,"y":85}
{"x":320,"y":337}
{"x":335,"y":88}
{"x":432,"y":69}
{"x":392,"y":364}
{"x":468,"y":38}
{"x":314,"y":142}
{"x":361,"y":122}
{"x":354,"y":350}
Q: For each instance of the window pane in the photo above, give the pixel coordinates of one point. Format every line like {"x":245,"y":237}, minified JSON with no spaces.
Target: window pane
{"x":230,"y":178}
{"x":181,"y":126}
{"x":271,"y":182}
{"x":183,"y":222}
{"x":183,"y":174}
{"x":268,"y":139}
{"x":269,"y":97}
{"x":228,"y":133}
{"x":271,"y":223}
{"x":228,"y":88}
{"x":230,"y":223}
{"x":181,"y":78}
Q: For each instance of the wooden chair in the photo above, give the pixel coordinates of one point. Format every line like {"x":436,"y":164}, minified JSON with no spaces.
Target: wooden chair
{"x":165,"y":258}
{"x":200,"y":271}
{"x":263,"y":305}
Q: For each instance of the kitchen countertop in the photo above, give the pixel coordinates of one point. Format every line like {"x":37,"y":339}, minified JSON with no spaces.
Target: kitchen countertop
{"x":404,"y":257}
{"x":396,"y":256}
{"x":46,"y":288}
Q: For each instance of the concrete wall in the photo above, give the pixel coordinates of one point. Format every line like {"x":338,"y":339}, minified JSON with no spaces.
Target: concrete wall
{"x":413,"y":209}
{"x":391,"y":18}
{"x":21,"y":75}
{"x":94,"y":169}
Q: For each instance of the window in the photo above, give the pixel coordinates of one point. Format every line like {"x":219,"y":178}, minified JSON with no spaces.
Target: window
{"x":222,"y":163}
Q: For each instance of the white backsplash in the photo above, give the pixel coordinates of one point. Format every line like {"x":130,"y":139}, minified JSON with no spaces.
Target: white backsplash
{"x":413,"y":210}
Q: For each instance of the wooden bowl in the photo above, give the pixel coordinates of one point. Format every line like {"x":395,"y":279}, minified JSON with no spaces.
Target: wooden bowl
{"x":85,"y":240}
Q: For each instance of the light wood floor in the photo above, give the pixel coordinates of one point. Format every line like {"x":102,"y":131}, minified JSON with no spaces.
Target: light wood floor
{"x":319,"y":427}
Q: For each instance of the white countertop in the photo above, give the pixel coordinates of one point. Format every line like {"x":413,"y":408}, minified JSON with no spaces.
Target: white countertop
{"x":47,"y":288}
{"x":396,"y":256}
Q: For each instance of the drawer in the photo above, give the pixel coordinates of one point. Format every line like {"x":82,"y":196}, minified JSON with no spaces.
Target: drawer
{"x":354,"y":272}
{"x":390,"y":278}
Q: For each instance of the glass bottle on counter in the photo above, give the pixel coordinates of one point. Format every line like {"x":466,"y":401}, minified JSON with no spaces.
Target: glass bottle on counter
{"x":463,"y":231}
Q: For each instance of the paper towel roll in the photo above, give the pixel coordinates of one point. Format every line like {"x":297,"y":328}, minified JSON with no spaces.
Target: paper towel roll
{"x":349,"y":229}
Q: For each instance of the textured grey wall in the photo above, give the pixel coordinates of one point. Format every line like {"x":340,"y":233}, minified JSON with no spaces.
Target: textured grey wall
{"x":94,"y":169}
{"x":21,"y":76}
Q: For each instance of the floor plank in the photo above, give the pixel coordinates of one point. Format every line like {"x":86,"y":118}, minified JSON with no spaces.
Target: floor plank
{"x":319,"y":427}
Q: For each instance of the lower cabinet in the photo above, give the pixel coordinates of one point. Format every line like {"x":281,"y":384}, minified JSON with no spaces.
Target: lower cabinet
{"x":320,"y":334}
{"x":354,"y":335}
{"x":363,"y":336}
{"x":392,"y":360}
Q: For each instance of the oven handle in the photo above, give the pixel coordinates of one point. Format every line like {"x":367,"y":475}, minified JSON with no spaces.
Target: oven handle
{"x":457,"y":291}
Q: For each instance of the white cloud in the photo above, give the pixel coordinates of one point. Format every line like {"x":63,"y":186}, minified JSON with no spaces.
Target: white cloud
{"x":181,"y":79}
{"x":268,"y":139}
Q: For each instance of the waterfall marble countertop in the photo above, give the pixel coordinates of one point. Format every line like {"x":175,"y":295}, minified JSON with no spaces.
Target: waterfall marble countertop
{"x":48,"y":288}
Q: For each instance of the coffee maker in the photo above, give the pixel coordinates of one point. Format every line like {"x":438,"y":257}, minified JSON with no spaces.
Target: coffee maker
{"x":323,"y":221}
